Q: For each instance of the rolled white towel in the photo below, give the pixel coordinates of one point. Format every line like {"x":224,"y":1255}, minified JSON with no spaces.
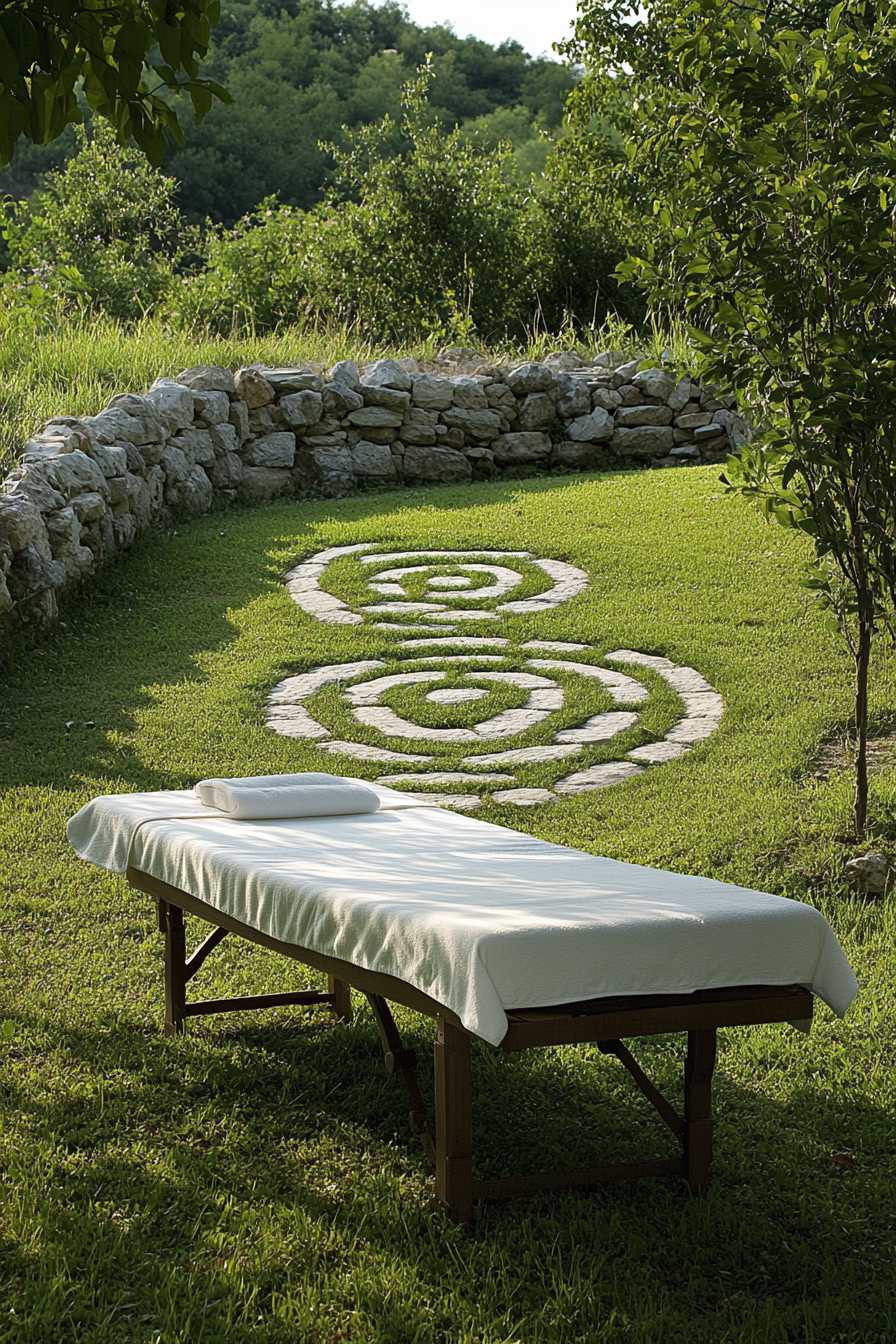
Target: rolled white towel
{"x":270,"y":796}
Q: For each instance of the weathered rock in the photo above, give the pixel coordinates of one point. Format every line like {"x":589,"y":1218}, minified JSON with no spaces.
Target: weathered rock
{"x":624,"y":373}
{"x":266,"y":420}
{"x":648,"y":441}
{"x":629,"y":395}
{"x":172,"y":403}
{"x":372,"y":459}
{"x":537,"y":411}
{"x":333,"y":470}
{"x":430,"y":393}
{"x":151,"y":453}
{"x":142,"y":410}
{"x":869,"y":872}
{"x":339,"y":398}
{"x":630,"y":417}
{"x":693,"y":420}
{"x":514,"y":449}
{"x":222,"y":439}
{"x":500,"y":398}
{"x":114,"y":425}
{"x":578,"y":454}
{"x":607,"y":398}
{"x":301,"y":409}
{"x":198,"y":445}
{"x":346,"y":372}
{"x":194,"y":495}
{"x":32,"y":482}
{"x":388,"y":373}
{"x":680,"y":395}
{"x":570,"y":396}
{"x":76,"y":472}
{"x":238,"y":417}
{"x":263,"y":483}
{"x":390,"y":397}
{"x":563,"y":360}
{"x":594,"y":428}
{"x":225,"y":471}
{"x":134,"y":460}
{"x":176,"y":465}
{"x":208,"y":378}
{"x":655,"y":382}
{"x":294,"y":380}
{"x":482,"y":426}
{"x":64,"y":531}
{"x":118,"y":495}
{"x":112,"y":459}
{"x":252,"y":387}
{"x":420,"y":434}
{"x":22,"y":524}
{"x":528,"y":378}
{"x":704,"y":432}
{"x":469,"y":395}
{"x":90,"y":507}
{"x":274,"y":450}
{"x":124,"y":530}
{"x":734,"y":426}
{"x":33,"y":571}
{"x":435,"y":464}
{"x":211,"y":408}
{"x":374,"y":417}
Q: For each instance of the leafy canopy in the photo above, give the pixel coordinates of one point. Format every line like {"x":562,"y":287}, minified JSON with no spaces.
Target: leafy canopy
{"x":769,"y":150}
{"x":124,"y":55}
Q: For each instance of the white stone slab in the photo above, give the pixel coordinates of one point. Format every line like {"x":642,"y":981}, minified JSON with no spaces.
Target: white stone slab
{"x":511,"y":721}
{"x":449,"y":581}
{"x":437,"y":777}
{"x":554,"y":646}
{"x":456,"y":695}
{"x":292,"y":690}
{"x":692,"y":730}
{"x":397,"y":608}
{"x":598,"y":777}
{"x":625,"y":690}
{"x":644,"y":659}
{"x":459,"y":641}
{"x":523,"y":797}
{"x":294,"y":721}
{"x":599,"y":728}
{"x":462,"y":658}
{"x":388,"y":589}
{"x":390,"y":723}
{"x":464,"y":615}
{"x":656,"y":753}
{"x":520,"y":756}
{"x":394,"y":625}
{"x":325,"y":608}
{"x":464,"y":802}
{"x":551,"y":700}
{"x":505,"y":580}
{"x":704,"y":705}
{"x":570,"y":581}
{"x":362,"y":752}
{"x":371,"y":692}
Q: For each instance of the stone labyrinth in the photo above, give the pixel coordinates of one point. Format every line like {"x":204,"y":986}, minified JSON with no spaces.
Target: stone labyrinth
{"x":433,"y":598}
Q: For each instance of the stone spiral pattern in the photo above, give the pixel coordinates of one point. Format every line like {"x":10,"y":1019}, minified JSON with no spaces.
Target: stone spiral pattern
{"x":452,"y":580}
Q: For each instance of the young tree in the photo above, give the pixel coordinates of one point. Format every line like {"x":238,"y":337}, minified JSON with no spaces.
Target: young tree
{"x":772,"y":138}
{"x":124,"y":54}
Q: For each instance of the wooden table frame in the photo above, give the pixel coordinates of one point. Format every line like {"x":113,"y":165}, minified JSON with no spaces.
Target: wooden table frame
{"x":601,"y":1021}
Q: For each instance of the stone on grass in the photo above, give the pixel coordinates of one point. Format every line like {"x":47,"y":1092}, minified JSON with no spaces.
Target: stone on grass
{"x":868,"y":872}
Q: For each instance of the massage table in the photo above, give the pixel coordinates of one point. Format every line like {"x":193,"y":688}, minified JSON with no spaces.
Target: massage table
{"x":497,"y":935}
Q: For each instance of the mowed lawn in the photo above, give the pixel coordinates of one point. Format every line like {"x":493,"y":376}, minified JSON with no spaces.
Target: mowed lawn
{"x":256,"y":1180}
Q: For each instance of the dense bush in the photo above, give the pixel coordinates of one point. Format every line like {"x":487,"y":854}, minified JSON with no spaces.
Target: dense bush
{"x":103,"y":232}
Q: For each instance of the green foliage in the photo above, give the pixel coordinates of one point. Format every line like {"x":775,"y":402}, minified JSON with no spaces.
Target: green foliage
{"x":425,"y":232}
{"x":780,"y":248}
{"x":104,"y":232}
{"x":120,"y":54}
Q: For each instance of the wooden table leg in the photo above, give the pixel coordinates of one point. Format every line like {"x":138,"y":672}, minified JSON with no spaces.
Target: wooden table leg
{"x":698,"y":1071}
{"x":454,"y":1121}
{"x":342,"y":999}
{"x":172,"y":918}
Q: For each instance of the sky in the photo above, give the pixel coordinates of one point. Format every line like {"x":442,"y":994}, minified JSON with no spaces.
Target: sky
{"x":533,"y":23}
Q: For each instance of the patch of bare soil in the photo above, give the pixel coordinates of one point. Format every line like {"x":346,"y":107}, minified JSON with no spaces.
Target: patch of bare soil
{"x":838,"y":754}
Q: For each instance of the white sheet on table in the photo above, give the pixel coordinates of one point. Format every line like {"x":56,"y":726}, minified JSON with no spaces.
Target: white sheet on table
{"x":481,"y":918}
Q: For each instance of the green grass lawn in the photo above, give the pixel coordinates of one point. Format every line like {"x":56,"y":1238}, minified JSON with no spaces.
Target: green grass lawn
{"x":255,"y":1180}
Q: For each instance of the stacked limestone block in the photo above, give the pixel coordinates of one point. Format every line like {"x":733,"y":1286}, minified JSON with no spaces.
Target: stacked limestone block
{"x":85,"y":487}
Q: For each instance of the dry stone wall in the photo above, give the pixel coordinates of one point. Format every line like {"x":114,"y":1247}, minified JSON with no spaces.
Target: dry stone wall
{"x":84,"y":488}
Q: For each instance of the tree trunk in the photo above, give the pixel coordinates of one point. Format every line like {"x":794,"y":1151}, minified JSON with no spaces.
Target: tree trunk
{"x":860,"y":795}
